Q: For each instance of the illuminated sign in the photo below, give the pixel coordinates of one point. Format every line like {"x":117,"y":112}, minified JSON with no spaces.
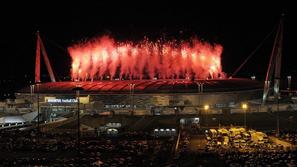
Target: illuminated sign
{"x":62,"y":100}
{"x":220,"y":105}
{"x":119,"y":106}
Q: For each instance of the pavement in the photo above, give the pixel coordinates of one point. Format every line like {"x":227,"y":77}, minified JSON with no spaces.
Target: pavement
{"x":197,"y":143}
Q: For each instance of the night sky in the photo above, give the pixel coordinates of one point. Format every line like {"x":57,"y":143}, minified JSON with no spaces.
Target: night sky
{"x":238,"y":29}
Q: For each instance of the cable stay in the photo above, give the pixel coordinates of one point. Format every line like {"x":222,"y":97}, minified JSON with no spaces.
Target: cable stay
{"x":253,"y":53}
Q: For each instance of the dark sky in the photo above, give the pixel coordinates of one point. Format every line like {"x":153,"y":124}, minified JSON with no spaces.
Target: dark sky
{"x":238,"y":29}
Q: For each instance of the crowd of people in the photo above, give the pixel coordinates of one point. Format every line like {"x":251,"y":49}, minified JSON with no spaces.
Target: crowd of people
{"x":29,"y":148}
{"x":245,"y":154}
{"x":23,"y":148}
{"x":260,"y":158}
{"x":289,"y":136}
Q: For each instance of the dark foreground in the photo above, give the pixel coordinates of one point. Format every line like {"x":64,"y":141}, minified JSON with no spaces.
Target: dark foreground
{"x":140,"y":148}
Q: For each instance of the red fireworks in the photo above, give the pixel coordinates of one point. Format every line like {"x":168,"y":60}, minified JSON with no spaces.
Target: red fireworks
{"x":104,"y":57}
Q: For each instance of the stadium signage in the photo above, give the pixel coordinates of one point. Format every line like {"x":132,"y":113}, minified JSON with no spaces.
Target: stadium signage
{"x":119,"y":106}
{"x":62,"y":100}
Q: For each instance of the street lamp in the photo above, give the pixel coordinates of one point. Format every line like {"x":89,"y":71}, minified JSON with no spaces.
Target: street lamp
{"x":38,"y":83}
{"x":206,"y":107}
{"x":199,"y":91}
{"x":32,"y":87}
{"x":244,"y":106}
{"x":289,"y":82}
{"x":77,"y":89}
{"x":289,"y":85}
{"x":277,"y":115}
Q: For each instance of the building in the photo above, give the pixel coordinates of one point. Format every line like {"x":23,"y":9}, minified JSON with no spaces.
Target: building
{"x":141,"y":97}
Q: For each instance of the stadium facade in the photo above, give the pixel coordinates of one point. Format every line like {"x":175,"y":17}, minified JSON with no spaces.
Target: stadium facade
{"x":143,"y":97}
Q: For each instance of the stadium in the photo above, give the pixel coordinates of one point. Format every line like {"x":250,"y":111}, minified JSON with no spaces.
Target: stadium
{"x":166,"y":80}
{"x":140,"y":79}
{"x":146,"y":97}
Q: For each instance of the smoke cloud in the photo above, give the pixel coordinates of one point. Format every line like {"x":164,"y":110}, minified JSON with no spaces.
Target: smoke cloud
{"x":104,"y":57}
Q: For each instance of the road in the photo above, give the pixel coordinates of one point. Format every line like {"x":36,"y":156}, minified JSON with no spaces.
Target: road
{"x":197,"y":143}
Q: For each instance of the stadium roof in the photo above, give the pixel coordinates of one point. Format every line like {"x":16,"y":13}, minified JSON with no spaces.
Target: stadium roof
{"x":147,"y":86}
